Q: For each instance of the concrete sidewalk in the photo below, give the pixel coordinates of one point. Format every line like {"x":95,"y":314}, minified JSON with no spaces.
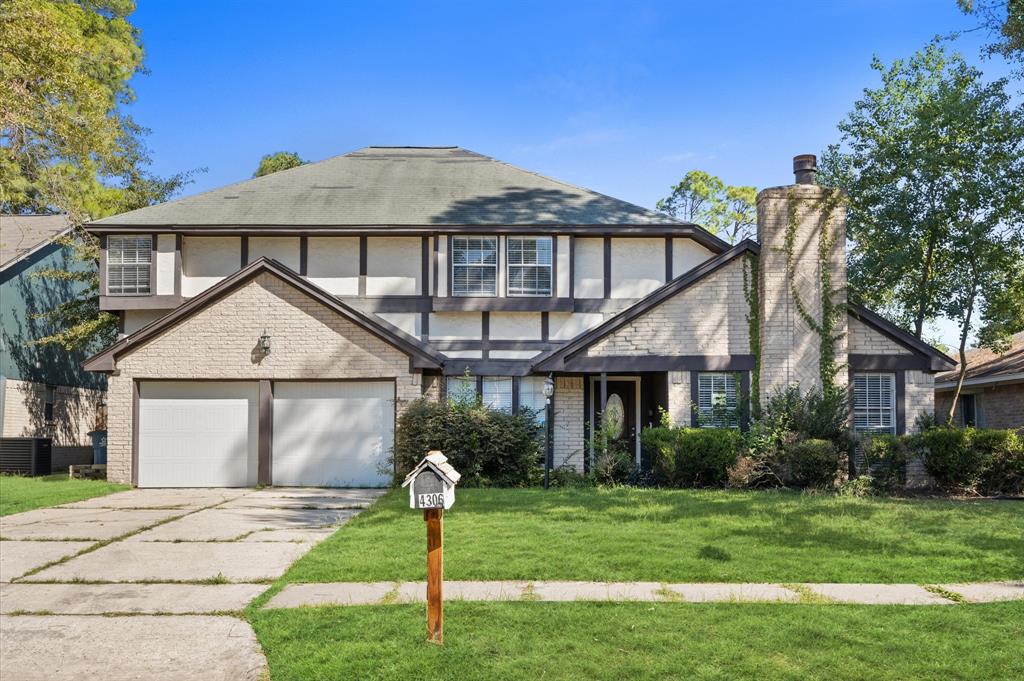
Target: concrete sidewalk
{"x":380,"y":593}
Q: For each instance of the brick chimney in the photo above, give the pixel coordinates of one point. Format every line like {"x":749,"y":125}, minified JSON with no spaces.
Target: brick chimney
{"x":790,"y":347}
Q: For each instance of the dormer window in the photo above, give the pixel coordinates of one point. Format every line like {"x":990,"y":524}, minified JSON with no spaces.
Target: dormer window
{"x":474,"y":266}
{"x":529,"y":266}
{"x":129,"y":261}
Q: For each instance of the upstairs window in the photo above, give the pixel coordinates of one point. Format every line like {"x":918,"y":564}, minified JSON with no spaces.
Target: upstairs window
{"x":129,"y":260}
{"x":529,"y":266}
{"x":474,"y":266}
{"x":717,"y":400}
{"x":874,"y":403}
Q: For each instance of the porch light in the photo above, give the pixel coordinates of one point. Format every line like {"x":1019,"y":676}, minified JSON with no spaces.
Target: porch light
{"x":265,"y":343}
{"x":549,"y":387}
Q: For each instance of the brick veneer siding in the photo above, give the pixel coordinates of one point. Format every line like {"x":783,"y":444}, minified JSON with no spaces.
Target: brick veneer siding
{"x":679,"y":398}
{"x":708,"y":318}
{"x":74,"y":413}
{"x":866,"y":341}
{"x":308,"y":341}
{"x":569,"y":444}
{"x":790,"y":349}
{"x":997,"y":406}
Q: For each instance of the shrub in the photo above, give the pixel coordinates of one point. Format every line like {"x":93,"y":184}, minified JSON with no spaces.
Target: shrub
{"x":692,"y":457}
{"x":950,"y":459}
{"x":811,"y":463}
{"x":614,"y":464}
{"x":489,"y":448}
{"x":886,"y":457}
{"x":861,"y":486}
{"x":1002,"y":470}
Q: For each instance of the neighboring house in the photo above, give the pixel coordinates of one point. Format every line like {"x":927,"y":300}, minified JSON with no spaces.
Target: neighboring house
{"x":43,"y":390}
{"x":993,"y":390}
{"x":274,"y":328}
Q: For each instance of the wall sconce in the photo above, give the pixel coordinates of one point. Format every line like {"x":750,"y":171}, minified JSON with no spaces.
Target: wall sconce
{"x":265,"y":343}
{"x":549,"y":387}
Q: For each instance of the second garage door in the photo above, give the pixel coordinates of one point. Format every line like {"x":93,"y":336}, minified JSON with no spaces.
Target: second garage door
{"x":334,"y":434}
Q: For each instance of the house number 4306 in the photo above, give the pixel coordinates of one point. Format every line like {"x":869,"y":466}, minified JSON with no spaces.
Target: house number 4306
{"x":435,"y":500}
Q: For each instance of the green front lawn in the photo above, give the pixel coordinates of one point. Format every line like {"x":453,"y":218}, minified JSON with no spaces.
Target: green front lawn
{"x":18,"y":493}
{"x":679,"y":536}
{"x":550,"y":641}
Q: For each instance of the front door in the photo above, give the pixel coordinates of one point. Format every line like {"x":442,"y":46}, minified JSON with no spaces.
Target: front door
{"x":619,"y":411}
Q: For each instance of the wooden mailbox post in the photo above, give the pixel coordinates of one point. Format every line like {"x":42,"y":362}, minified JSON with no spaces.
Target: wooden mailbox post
{"x":432,"y":488}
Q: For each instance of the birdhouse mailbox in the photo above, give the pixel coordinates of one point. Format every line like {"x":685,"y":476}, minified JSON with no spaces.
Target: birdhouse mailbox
{"x":432,"y":483}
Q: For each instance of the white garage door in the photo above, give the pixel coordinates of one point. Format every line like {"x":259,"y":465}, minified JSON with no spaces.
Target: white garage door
{"x":197,"y":434}
{"x":333,"y":434}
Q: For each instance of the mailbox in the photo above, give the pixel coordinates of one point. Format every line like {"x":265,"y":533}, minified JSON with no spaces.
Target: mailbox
{"x":432,"y":483}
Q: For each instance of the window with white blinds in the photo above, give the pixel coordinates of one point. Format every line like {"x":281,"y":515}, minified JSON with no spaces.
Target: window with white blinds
{"x":461,"y":388}
{"x":531,"y":396}
{"x":529,"y":266}
{"x":474,"y":266}
{"x":497,"y":393}
{"x":874,"y":403}
{"x":129,"y":260}
{"x":717,"y":400}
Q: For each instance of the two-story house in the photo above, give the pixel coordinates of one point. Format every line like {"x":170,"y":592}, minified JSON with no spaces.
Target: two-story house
{"x":274,"y":328}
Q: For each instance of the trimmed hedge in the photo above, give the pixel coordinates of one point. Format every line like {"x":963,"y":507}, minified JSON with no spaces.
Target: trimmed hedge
{"x":489,"y":448}
{"x":691,"y":457}
{"x":811,"y":463}
{"x":968,"y":459}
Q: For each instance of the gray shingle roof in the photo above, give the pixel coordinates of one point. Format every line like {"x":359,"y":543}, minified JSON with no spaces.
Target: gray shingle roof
{"x":23,"y":234}
{"x":396,"y":186}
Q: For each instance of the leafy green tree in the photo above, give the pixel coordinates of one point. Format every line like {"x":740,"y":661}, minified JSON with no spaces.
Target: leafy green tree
{"x":1003,"y":19}
{"x":66,"y":145}
{"x":932,"y":161}
{"x":720,"y":208}
{"x":280,"y":160}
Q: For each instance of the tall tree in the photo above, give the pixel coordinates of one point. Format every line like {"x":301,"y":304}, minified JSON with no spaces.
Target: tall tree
{"x":932,"y":161}
{"x":1003,"y":19}
{"x":66,"y":145}
{"x":722,"y":209}
{"x":279,"y":160}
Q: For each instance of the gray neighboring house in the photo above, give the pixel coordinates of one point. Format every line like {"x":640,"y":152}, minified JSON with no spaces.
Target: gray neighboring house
{"x":44,"y":392}
{"x":274,"y":329}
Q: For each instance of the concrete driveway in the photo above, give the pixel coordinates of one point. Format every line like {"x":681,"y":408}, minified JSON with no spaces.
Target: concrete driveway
{"x":166,"y":569}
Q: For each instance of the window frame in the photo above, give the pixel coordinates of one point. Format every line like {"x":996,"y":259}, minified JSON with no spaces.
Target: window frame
{"x":49,"y":403}
{"x":893,"y":410}
{"x":148,"y":264}
{"x":452,"y":285}
{"x":736,"y":419}
{"x":549,"y":265}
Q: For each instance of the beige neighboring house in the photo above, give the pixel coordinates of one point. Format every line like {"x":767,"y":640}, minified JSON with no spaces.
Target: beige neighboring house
{"x":274,"y":329}
{"x":44,"y":392}
{"x":993,"y":390}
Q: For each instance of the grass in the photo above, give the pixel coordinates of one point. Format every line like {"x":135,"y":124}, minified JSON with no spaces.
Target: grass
{"x":680,"y":536}
{"x":553,"y":641}
{"x":19,"y":493}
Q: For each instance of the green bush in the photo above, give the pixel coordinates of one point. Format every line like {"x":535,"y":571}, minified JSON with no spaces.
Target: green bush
{"x":950,"y":458}
{"x":489,"y":448}
{"x":1002,"y":471}
{"x":811,"y":463}
{"x":692,"y":457}
{"x":886,"y":457}
{"x":613,"y":462}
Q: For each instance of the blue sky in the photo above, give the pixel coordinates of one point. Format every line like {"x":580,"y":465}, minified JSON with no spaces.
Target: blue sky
{"x":619,"y":97}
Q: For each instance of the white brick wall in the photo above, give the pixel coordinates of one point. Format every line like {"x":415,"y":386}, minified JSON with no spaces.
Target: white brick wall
{"x":569,"y":444}
{"x":679,"y":409}
{"x":308,"y":340}
{"x":866,"y":341}
{"x":74,"y":413}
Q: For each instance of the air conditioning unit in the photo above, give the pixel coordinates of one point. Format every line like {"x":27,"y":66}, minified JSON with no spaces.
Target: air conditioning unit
{"x":25,"y":455}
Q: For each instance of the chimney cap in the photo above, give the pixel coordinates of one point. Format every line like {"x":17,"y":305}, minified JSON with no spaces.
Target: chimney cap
{"x":805,"y":168}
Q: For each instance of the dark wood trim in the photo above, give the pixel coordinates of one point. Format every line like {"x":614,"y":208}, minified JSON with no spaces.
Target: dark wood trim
{"x":607,"y":267}
{"x":695,"y":232}
{"x":245,"y":251}
{"x":668,"y":259}
{"x":304,"y":255}
{"x":153,"y":255}
{"x":545,"y":326}
{"x":588,"y":427}
{"x":142,"y":302}
{"x":901,"y":403}
{"x":939,"y":361}
{"x":496,"y":304}
{"x":745,"y":401}
{"x":485,"y":334}
{"x":103,"y":265}
{"x":265,"y":461}
{"x":572,"y":267}
{"x":457,"y":366}
{"x":135,"y":432}
{"x":694,"y":399}
{"x":177,"y":265}
{"x":889,"y":362}
{"x":363,"y":260}
{"x":492,"y":344}
{"x":388,"y":303}
{"x":480,"y":386}
{"x":603,"y":304}
{"x":515,"y":395}
{"x":643,"y":363}
{"x":424,"y":325}
{"x":604,"y":393}
{"x":437,"y":247}
{"x":425,"y":266}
